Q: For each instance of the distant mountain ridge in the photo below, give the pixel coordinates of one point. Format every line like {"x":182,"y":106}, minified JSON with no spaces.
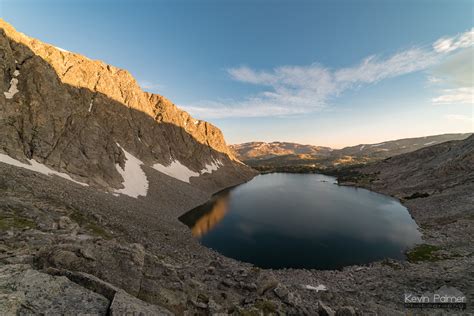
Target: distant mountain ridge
{"x":262,"y":150}
{"x":399,"y":146}
{"x":280,"y":154}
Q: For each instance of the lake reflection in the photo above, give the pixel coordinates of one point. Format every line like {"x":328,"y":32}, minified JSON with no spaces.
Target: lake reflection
{"x":303,"y":221}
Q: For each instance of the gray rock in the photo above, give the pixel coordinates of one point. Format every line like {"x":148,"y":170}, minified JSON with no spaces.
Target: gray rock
{"x":346,"y":311}
{"x":27,"y":291}
{"x":125,"y":304}
{"x":266,"y":282}
{"x":324,"y":310}
{"x":117,"y":264}
{"x":213,"y":307}
{"x":67,"y":223}
{"x":281,"y":291}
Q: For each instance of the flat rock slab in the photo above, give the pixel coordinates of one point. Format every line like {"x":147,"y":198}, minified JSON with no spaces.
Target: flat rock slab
{"x":27,"y":291}
{"x":124,"y":304}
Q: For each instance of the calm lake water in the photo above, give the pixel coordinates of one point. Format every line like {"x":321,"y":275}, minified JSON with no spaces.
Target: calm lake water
{"x":303,"y":221}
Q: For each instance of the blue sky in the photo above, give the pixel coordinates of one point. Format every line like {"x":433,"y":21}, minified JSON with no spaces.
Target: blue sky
{"x":331,"y":73}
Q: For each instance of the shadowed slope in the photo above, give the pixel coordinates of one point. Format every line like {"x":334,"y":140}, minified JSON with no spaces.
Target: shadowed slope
{"x":83,"y":118}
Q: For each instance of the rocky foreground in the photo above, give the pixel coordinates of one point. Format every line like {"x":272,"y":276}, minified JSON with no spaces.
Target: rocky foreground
{"x":66,"y":248}
{"x":73,"y":240}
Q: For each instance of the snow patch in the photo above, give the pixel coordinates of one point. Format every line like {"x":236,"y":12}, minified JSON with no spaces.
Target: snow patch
{"x":61,"y":49}
{"x":196,"y":122}
{"x":430,"y":143}
{"x":210,"y":167}
{"x":318,"y":288}
{"x":379,"y":144}
{"x":176,"y":170}
{"x":135,"y":182}
{"x":362,"y":147}
{"x":90,"y":105}
{"x":16,"y":73}
{"x":13,"y":89}
{"x":37,"y":167}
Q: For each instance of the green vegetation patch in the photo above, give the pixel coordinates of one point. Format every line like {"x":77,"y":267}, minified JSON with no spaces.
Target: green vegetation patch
{"x":8,"y":221}
{"x":90,"y":225}
{"x":423,"y":252}
{"x":351,"y":174}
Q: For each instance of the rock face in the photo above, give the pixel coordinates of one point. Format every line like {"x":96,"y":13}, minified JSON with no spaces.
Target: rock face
{"x":87,"y":119}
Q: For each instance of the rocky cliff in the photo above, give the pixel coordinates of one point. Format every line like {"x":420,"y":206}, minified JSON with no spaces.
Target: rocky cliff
{"x":82,"y":119}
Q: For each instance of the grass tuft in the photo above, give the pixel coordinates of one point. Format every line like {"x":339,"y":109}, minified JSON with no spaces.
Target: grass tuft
{"x":423,"y":252}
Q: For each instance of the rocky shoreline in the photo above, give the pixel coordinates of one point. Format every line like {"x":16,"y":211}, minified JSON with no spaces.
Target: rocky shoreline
{"x":74,"y":248}
{"x":52,"y":233}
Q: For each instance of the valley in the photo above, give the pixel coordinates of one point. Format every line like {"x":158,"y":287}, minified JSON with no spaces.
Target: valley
{"x":95,"y":175}
{"x":298,"y":158}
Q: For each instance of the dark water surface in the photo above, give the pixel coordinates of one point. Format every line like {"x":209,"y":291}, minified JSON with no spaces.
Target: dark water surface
{"x":303,"y":221}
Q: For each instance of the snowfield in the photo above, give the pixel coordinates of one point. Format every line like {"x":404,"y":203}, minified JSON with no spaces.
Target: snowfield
{"x":176,"y":170}
{"x":214,"y":165}
{"x":37,"y":167}
{"x":135,"y":181}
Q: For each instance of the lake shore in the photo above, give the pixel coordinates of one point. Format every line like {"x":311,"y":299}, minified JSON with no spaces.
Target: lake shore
{"x":193,"y":277}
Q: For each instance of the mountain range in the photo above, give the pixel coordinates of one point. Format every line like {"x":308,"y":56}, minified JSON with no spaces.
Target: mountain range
{"x":280,"y":155}
{"x":95,"y":172}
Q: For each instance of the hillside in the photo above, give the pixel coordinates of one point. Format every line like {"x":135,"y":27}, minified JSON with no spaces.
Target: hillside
{"x":90,"y":122}
{"x":262,"y":150}
{"x":407,"y":174}
{"x":397,"y":147}
{"x":301,"y":158}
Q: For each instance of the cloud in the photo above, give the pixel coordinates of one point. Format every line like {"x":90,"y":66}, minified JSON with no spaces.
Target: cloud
{"x":448,"y":44}
{"x":457,"y":69}
{"x":292,"y":90}
{"x":459,"y":118}
{"x":373,"y":69}
{"x":457,"y":73}
{"x":434,"y":80}
{"x":463,"y":95}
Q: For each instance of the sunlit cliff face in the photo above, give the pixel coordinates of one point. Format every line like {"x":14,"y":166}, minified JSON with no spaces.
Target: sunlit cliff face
{"x":209,"y":220}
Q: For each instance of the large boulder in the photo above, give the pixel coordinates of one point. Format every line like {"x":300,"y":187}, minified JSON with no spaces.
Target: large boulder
{"x":26,"y":291}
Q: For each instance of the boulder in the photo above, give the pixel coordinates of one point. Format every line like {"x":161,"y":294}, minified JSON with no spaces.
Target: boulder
{"x":325,"y":310}
{"x":125,"y":304}
{"x":265,"y":283}
{"x":27,"y":291}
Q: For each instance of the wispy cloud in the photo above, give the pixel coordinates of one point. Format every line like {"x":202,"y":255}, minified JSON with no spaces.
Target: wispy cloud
{"x":292,"y":90}
{"x":448,"y":44}
{"x":463,"y":95}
